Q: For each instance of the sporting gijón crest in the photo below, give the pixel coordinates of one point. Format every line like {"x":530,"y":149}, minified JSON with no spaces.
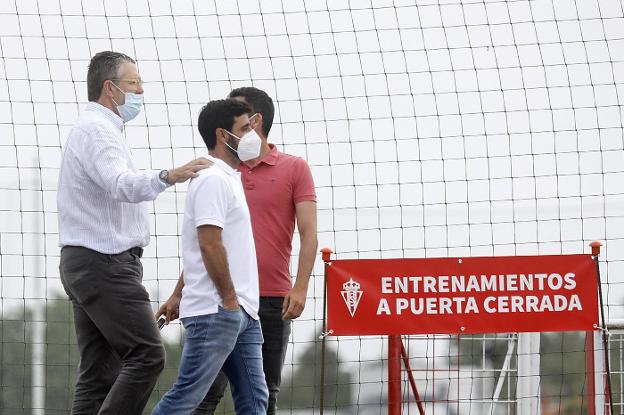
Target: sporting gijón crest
{"x":351,"y":294}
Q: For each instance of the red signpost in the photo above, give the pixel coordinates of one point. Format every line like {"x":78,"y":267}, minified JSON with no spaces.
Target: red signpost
{"x":397,"y":297}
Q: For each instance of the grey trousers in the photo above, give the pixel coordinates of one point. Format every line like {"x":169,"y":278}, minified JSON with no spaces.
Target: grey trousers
{"x":121,"y":351}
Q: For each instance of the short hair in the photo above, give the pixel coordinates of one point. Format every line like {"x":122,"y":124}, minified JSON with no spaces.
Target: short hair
{"x":259,"y":101}
{"x":103,"y":66}
{"x":219,"y":114}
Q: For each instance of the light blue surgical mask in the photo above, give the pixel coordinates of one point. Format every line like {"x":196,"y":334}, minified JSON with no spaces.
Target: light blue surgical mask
{"x":132,"y":105}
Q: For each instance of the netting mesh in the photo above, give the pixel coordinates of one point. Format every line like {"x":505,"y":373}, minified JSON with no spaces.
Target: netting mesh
{"x":433,"y":128}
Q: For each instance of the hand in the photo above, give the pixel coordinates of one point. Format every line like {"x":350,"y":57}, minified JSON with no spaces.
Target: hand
{"x":170,"y":309}
{"x":294,"y":303}
{"x":188,"y":171}
{"x":231,"y":304}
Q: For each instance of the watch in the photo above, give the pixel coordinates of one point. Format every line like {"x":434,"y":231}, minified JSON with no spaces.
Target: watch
{"x":163,"y":176}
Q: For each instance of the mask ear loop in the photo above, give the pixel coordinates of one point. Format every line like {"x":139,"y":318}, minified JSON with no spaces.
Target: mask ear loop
{"x":253,"y":117}
{"x":226,"y":143}
{"x":233,"y":135}
{"x":119,"y":89}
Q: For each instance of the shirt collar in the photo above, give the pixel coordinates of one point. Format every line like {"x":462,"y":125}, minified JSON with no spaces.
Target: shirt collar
{"x":110,"y":115}
{"x":269,"y":158}
{"x":222,"y":164}
{"x":272,"y":156}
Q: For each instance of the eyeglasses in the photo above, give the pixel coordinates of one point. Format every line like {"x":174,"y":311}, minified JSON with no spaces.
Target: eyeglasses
{"x":133,"y":82}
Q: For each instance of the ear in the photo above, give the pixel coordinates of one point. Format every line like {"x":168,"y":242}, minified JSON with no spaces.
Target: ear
{"x":108,"y":89}
{"x":221,"y":135}
{"x":257,"y":122}
{"x":258,"y":119}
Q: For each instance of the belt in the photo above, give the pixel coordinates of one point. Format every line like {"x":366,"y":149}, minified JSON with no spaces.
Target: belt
{"x":137,"y":250}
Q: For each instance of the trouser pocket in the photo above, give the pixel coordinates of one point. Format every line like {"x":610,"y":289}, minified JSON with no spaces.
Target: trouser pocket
{"x":77,"y":276}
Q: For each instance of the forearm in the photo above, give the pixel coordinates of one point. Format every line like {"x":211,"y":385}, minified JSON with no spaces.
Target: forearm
{"x":177,"y":291}
{"x":307,"y":256}
{"x":138,"y":187}
{"x":134,"y":187}
{"x":216,"y":263}
{"x":171,"y":308}
{"x":110,"y":168}
{"x":114,"y":174}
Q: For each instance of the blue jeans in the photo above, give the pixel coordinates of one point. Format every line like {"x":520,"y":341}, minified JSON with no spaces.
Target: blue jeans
{"x":227,"y":339}
{"x":276,"y":333}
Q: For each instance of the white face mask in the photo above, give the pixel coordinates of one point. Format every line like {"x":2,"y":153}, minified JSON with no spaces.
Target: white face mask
{"x":248,"y":145}
{"x":132,"y":105}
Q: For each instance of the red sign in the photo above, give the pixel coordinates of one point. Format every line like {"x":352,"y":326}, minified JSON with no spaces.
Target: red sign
{"x":462,"y":295}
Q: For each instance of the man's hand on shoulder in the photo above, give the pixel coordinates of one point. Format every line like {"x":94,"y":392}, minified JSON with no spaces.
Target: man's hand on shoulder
{"x":188,"y":171}
{"x":294,"y":303}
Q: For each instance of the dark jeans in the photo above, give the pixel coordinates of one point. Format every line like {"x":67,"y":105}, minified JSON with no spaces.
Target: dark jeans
{"x":276,"y":333}
{"x":121,"y":351}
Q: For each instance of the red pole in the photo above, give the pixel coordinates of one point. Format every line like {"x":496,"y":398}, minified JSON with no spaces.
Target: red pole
{"x":394,"y":375}
{"x":326,"y":255}
{"x":595,"y":247}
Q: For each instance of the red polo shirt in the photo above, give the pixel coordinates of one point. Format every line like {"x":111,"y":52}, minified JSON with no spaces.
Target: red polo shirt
{"x":273,"y":187}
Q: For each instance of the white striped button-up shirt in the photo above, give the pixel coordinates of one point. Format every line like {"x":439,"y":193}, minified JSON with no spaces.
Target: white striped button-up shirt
{"x":100,"y":191}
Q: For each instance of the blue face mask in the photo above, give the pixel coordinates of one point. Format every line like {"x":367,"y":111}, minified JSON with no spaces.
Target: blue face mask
{"x":131,"y":107}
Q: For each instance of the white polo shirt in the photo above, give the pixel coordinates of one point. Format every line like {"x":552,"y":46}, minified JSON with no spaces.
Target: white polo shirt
{"x":216,"y":197}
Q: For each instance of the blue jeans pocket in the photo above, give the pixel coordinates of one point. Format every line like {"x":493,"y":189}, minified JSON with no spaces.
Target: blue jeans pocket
{"x":230,"y":312}
{"x":195,"y":327}
{"x":222,"y":325}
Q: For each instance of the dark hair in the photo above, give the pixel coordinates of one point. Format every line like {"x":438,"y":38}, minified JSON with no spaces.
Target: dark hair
{"x":259,"y":101}
{"x":103,"y":66}
{"x":219,"y":114}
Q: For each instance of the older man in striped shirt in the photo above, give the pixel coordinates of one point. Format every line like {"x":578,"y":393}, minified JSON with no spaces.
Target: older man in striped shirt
{"x":103,"y":227}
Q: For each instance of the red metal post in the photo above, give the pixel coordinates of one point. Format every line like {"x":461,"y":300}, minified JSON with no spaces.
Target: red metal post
{"x":394,"y":375}
{"x":595,"y":247}
{"x":326,"y":255}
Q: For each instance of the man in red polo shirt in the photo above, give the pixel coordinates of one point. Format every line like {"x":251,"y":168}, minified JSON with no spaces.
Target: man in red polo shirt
{"x":280,"y":191}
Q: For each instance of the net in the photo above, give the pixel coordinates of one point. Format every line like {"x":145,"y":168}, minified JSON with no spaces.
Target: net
{"x":433,"y":128}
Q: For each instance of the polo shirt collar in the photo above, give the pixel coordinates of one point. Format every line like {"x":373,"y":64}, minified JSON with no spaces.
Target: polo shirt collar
{"x":222,"y":164}
{"x":271,"y":157}
{"x":107,"y":113}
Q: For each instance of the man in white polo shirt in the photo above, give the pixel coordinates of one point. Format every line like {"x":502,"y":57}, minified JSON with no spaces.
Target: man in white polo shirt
{"x":219,"y":307}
